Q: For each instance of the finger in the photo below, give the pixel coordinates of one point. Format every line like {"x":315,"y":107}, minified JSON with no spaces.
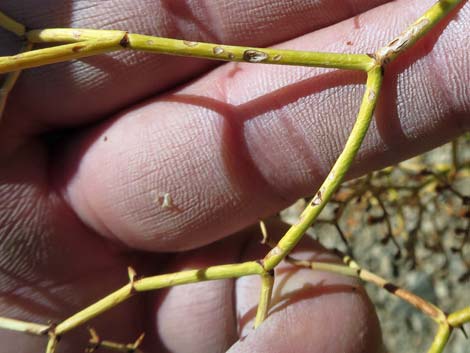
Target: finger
{"x":197,"y":317}
{"x":309,"y":309}
{"x":51,"y":266}
{"x":79,"y":92}
{"x":244,"y":141}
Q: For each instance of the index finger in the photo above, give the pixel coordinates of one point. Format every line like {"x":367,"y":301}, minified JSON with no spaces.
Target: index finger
{"x":82,"y":91}
{"x":245,"y":140}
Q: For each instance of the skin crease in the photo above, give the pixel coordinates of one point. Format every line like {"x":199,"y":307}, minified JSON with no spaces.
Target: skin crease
{"x":87,"y":149}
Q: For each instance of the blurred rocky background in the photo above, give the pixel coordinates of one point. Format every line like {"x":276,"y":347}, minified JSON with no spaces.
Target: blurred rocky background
{"x":410,"y":224}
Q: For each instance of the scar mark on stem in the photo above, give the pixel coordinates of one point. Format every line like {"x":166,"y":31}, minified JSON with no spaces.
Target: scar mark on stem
{"x":77,"y":48}
{"x":254,"y":56}
{"x":371,"y":95}
{"x":125,"y":40}
{"x":400,"y":43}
{"x":277,"y":57}
{"x":274,"y":251}
{"x":332,"y":175}
{"x":317,"y":199}
{"x":190,"y":43}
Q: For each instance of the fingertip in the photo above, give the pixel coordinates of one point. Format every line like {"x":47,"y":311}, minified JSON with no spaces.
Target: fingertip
{"x":311,"y":311}
{"x":330,"y":315}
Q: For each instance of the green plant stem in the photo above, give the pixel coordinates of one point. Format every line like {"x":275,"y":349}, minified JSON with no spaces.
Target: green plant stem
{"x":415,"y":31}
{"x":81,"y":43}
{"x":336,"y":175}
{"x":11,"y":25}
{"x":9,"y":82}
{"x":440,"y":339}
{"x":96,"y":343}
{"x":84,"y":42}
{"x":117,"y":347}
{"x":73,"y":35}
{"x":325,"y":266}
{"x":46,"y":56}
{"x":352,"y":269}
{"x":249,"y":54}
{"x":52,"y":343}
{"x":267,"y":283}
{"x":158,"y":282}
{"x":459,"y":317}
{"x":23,"y":326}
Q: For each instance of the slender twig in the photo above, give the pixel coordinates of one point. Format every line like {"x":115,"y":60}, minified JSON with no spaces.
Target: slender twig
{"x":415,"y":31}
{"x":96,"y":343}
{"x":440,"y":339}
{"x":11,"y":25}
{"x":9,"y":82}
{"x":52,"y":343}
{"x":80,"y":43}
{"x":158,"y":282}
{"x":267,"y":283}
{"x":336,"y":175}
{"x":84,"y":43}
{"x":459,"y":317}
{"x":352,"y":269}
{"x":23,"y":326}
{"x":40,"y":57}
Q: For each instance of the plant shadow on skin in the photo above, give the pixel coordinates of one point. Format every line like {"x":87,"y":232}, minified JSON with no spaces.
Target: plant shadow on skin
{"x":273,"y":257}
{"x":387,"y":116}
{"x":235,"y":116}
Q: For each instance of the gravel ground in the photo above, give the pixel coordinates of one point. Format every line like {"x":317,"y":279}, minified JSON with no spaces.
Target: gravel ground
{"x":425,"y":204}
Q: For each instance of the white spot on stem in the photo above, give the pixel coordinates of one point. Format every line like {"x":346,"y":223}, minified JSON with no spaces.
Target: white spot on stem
{"x":218,"y":50}
{"x":77,"y":34}
{"x":189,"y":43}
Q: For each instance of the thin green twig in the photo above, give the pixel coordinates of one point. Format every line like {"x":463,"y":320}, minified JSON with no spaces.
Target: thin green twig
{"x":336,"y":175}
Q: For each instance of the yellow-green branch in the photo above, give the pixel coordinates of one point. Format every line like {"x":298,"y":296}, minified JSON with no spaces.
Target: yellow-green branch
{"x":9,"y":83}
{"x":336,"y":175}
{"x":158,"y":282}
{"x":23,"y":326}
{"x":460,"y":317}
{"x":11,"y":25}
{"x":80,"y":43}
{"x":96,"y":343}
{"x":416,"y":31}
{"x":267,"y":283}
{"x":85,"y":42}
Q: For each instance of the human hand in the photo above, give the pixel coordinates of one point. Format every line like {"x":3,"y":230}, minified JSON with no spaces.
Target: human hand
{"x":85,"y":161}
